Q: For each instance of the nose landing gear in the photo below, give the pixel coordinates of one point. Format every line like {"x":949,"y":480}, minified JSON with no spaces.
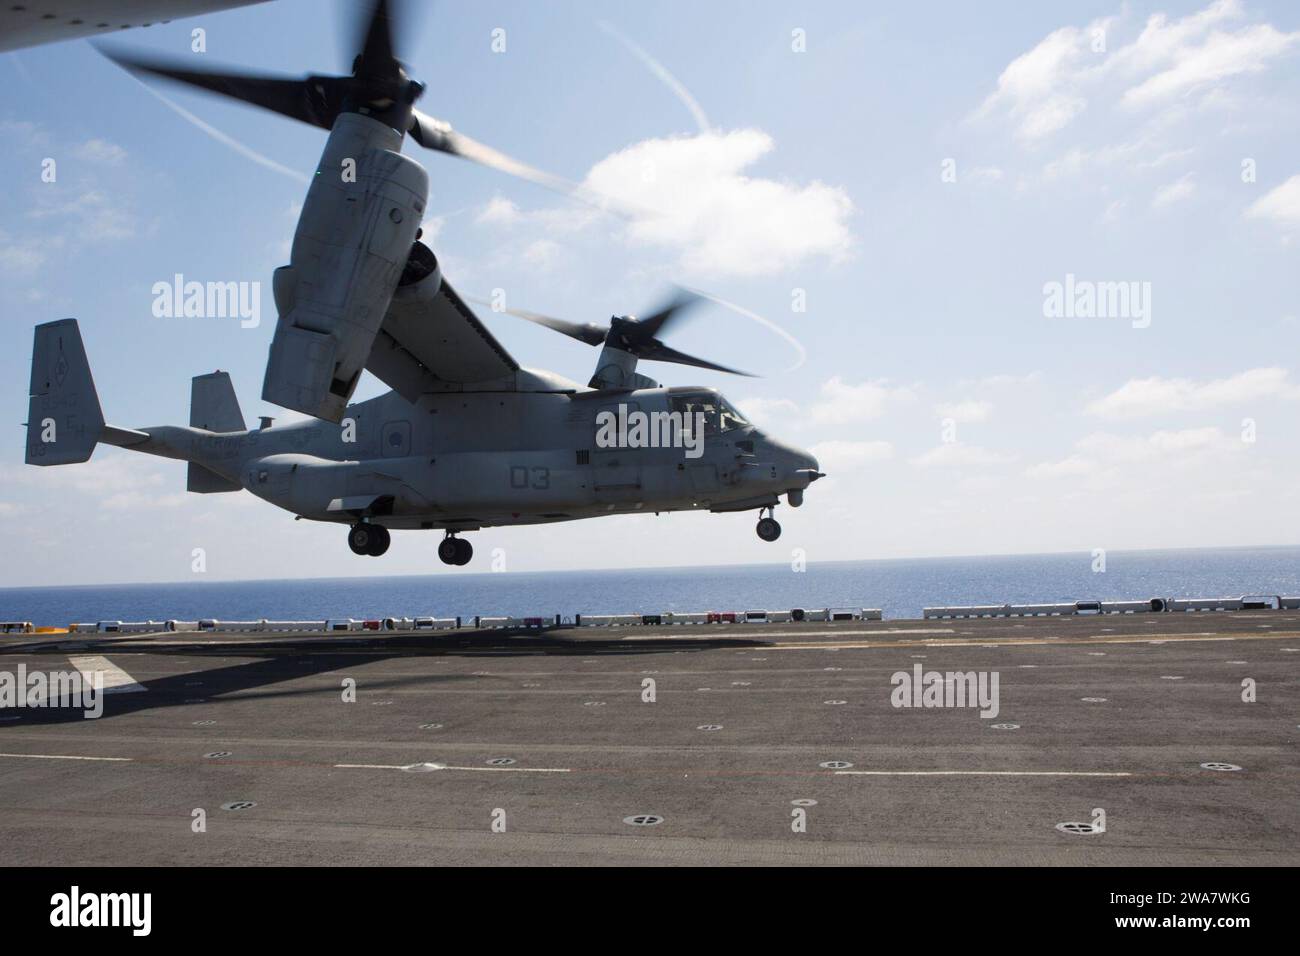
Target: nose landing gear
{"x":454,"y":550}
{"x":768,"y":528}
{"x":371,"y":539}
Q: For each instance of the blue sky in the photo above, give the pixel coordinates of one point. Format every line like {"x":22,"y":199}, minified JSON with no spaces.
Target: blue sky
{"x":917,"y":175}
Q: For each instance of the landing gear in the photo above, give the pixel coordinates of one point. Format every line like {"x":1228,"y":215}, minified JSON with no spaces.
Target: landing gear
{"x":382,"y":539}
{"x":371,"y":539}
{"x":455,"y":550}
{"x":768,"y":528}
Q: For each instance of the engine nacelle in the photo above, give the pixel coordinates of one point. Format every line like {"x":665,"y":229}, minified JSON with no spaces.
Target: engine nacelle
{"x":616,"y":370}
{"x":350,"y":249}
{"x":421,"y":277}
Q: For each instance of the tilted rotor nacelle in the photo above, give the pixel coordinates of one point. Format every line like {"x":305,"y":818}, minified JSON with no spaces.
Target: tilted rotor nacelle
{"x":352,"y":244}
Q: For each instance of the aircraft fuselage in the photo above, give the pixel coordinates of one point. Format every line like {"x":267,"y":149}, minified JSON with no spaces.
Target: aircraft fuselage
{"x":478,"y":459}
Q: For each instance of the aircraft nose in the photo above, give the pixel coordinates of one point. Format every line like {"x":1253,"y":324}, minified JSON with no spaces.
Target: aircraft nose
{"x":810,"y":468}
{"x":796,"y":464}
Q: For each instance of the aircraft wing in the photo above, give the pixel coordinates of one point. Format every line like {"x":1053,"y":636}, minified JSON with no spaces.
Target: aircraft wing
{"x":47,"y":21}
{"x":432,"y":341}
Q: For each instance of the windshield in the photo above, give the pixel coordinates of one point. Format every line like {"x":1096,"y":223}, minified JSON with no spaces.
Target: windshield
{"x":719,"y":414}
{"x":729,"y":417}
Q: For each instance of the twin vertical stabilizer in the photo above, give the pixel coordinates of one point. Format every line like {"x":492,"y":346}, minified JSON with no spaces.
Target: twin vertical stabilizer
{"x":64,"y":421}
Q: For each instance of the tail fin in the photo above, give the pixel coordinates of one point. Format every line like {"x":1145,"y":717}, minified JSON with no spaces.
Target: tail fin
{"x":64,"y":420}
{"x":214,"y":407}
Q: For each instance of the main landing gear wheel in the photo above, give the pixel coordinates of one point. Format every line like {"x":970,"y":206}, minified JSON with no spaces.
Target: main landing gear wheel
{"x":380,"y":540}
{"x":371,"y":539}
{"x":359,"y":538}
{"x":456,"y":551}
{"x":768,"y":529}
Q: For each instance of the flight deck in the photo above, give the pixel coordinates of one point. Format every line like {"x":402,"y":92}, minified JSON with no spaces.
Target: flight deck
{"x":1118,"y":739}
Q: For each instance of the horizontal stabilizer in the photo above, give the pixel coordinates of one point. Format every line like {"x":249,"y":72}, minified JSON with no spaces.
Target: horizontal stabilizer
{"x":203,"y":481}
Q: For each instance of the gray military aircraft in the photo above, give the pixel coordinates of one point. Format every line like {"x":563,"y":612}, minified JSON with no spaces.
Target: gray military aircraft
{"x":467,"y":438}
{"x":34,"y":22}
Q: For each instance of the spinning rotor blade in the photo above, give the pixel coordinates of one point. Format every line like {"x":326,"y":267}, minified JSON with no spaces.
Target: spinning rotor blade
{"x":436,"y":134}
{"x":313,"y":99}
{"x":633,"y":335}
{"x":376,"y":55}
{"x":582,"y":331}
{"x":658,"y":352}
{"x":378,"y":86}
{"x":653,"y":324}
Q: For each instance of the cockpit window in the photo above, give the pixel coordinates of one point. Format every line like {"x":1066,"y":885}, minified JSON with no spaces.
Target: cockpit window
{"x":719,"y":414}
{"x":689,"y":405}
{"x":729,"y":417}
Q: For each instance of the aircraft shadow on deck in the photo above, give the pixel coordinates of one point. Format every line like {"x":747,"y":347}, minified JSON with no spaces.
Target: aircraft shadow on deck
{"x":292,"y":659}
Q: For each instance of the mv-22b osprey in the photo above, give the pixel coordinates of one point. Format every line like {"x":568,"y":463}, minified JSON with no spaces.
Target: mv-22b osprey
{"x":467,"y":438}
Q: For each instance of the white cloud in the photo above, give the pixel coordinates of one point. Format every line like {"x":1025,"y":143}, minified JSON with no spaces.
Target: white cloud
{"x":498,"y":211}
{"x":1220,"y":56}
{"x":1003,"y":380}
{"x":432,"y":229}
{"x":22,"y":258}
{"x":541,"y":254}
{"x":968,"y":410}
{"x":24,"y":133}
{"x":1045,"y":89}
{"x":1160,"y":445}
{"x":1158,"y":396}
{"x":693,"y":193}
{"x":959,"y":455}
{"x":1162,"y":41}
{"x":95,"y":214}
{"x":842,"y":455}
{"x":1098,"y":458}
{"x":1176,"y":191}
{"x":844,"y":404}
{"x":1033,"y":88}
{"x":112,"y":480}
{"x":983,"y":174}
{"x":1071,"y":467}
{"x":139,"y":500}
{"x":1280,"y":204}
{"x":1051,"y":114}
{"x":1077,"y":160}
{"x":100,"y":151}
{"x":767,"y":411}
{"x":1166,"y":158}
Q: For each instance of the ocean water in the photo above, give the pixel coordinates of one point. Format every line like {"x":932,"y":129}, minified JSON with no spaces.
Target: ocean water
{"x":901,"y":588}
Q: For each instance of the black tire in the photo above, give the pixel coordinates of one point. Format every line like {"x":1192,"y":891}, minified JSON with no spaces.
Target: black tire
{"x":768,"y":529}
{"x":380,"y":539}
{"x":448,"y":550}
{"x":360,"y":539}
{"x":464,"y":551}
